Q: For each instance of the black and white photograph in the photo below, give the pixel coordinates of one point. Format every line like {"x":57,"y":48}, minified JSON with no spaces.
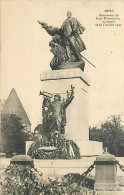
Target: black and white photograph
{"x":62,"y":97}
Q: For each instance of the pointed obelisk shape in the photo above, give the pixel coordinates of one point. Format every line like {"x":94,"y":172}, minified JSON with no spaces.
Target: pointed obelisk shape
{"x":13,"y":105}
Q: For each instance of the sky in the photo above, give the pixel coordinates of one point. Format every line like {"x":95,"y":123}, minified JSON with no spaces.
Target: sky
{"x":25,"y":52}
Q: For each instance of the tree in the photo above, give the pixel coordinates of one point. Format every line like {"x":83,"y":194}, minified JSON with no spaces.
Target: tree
{"x":12,"y":136}
{"x":111,"y":133}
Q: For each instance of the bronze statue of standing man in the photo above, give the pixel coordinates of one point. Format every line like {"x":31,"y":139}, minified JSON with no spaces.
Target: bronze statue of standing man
{"x":71,"y":30}
{"x":66,"y":43}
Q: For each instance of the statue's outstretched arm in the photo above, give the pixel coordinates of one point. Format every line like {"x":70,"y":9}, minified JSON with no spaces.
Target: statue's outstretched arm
{"x":70,"y":97}
{"x":50,"y":30}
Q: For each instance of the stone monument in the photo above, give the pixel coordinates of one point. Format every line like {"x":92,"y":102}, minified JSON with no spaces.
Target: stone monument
{"x":68,"y":70}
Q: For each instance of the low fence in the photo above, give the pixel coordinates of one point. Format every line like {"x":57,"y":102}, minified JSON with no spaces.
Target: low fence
{"x":61,"y":167}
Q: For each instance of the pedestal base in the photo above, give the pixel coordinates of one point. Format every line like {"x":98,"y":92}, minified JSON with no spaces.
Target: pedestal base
{"x":71,"y":65}
{"x":77,"y":113}
{"x":89,"y":148}
{"x":106,"y":186}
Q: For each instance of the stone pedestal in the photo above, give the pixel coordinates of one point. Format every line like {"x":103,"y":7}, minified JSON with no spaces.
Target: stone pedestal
{"x":77,"y":113}
{"x":106,"y":173}
{"x":22,"y":161}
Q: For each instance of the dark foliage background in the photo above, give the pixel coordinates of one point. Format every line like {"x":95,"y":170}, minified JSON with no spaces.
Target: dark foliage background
{"x":111,"y":133}
{"x":13,"y":135}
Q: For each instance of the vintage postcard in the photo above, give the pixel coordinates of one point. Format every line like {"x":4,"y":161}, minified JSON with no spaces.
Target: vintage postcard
{"x":61,"y":95}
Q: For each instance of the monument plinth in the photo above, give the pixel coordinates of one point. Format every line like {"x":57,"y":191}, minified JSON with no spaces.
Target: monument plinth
{"x":65,"y":106}
{"x":106,"y":173}
{"x":77,"y":126}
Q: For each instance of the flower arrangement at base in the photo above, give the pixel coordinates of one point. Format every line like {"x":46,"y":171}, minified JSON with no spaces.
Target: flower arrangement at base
{"x":54,"y":148}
